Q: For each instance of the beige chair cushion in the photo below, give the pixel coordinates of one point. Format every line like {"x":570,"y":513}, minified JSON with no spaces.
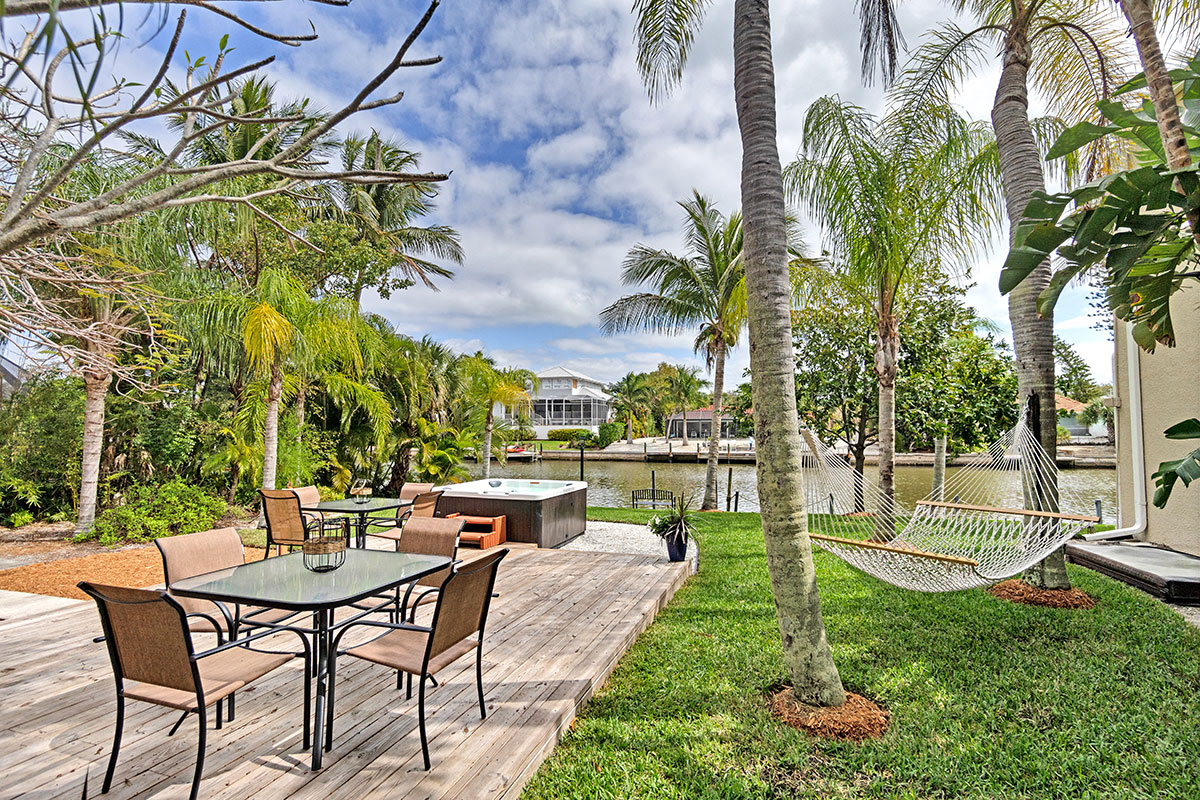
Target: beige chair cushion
{"x":221,"y":674}
{"x":405,"y":650}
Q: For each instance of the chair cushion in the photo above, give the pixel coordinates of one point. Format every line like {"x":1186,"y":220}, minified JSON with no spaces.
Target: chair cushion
{"x":221,"y":674}
{"x":405,"y":650}
{"x":240,"y":664}
{"x":214,"y":690}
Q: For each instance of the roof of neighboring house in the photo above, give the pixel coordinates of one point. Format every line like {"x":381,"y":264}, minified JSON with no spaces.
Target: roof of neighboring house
{"x":587,"y":391}
{"x":563,"y":372}
{"x":700,"y":413}
{"x":1067,"y":404}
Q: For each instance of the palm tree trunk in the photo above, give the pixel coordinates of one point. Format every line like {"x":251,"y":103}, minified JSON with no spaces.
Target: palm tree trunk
{"x":939,"y":468}
{"x":685,"y":439}
{"x":299,"y":425}
{"x":1162,"y":91}
{"x":714,"y":439}
{"x":486,"y":455}
{"x":1166,"y":110}
{"x":271,"y":427}
{"x":814,"y":675}
{"x":629,"y":428}
{"x":95,"y":393}
{"x":1033,"y":336}
{"x":887,"y":346}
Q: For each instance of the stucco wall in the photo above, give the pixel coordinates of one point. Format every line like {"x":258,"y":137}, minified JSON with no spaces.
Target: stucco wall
{"x":1170,"y":382}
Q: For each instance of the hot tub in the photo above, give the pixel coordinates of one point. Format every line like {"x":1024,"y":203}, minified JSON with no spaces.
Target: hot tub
{"x":545,"y":513}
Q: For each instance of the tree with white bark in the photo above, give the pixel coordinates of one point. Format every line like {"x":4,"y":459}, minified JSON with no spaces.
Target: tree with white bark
{"x":50,"y":132}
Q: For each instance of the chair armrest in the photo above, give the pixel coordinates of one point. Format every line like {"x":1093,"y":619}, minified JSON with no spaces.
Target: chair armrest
{"x":212,"y":621}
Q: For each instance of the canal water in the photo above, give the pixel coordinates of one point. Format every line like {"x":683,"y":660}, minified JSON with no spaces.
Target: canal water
{"x":610,"y":482}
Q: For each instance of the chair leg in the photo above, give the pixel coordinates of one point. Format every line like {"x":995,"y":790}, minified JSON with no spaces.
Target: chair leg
{"x":178,"y":722}
{"x":116,"y":748}
{"x":229,"y":717}
{"x":220,"y":713}
{"x":409,"y":695}
{"x":200,"y":753}
{"x":421,"y":717}
{"x":479,"y":681}
{"x":307,"y":705}
{"x":400,"y":682}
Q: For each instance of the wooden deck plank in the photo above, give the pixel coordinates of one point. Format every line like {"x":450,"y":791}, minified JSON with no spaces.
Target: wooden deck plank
{"x":561,"y":623}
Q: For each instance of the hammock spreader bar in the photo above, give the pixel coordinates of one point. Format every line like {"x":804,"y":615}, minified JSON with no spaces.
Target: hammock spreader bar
{"x":1021,"y":512}
{"x":967,"y":562}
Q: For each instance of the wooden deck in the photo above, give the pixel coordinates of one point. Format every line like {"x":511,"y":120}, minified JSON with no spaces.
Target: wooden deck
{"x":562,"y":621}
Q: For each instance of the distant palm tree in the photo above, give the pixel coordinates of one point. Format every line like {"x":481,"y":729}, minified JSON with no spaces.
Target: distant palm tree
{"x":705,"y":289}
{"x":683,"y":387}
{"x":488,"y":386}
{"x":631,"y":400}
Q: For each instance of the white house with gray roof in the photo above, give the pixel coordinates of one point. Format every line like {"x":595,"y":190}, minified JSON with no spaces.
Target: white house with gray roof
{"x":568,"y":399}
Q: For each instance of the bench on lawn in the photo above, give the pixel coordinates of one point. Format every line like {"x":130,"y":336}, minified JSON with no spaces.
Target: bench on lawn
{"x":653,"y":498}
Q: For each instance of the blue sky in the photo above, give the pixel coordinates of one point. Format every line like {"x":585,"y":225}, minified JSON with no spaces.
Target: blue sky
{"x":560,"y":164}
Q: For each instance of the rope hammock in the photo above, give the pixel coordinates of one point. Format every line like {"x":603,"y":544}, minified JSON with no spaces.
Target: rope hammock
{"x":994,"y":518}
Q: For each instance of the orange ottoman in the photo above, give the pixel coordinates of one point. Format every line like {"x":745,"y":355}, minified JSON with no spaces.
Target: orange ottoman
{"x":483,"y":532}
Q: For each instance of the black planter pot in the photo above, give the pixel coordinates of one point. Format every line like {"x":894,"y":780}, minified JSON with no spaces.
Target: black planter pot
{"x":676,"y":547}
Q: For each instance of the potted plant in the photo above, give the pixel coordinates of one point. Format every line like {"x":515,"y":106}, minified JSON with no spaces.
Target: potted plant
{"x":674,"y":527}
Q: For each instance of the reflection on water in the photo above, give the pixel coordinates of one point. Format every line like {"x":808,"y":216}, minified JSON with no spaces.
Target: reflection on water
{"x":610,"y":482}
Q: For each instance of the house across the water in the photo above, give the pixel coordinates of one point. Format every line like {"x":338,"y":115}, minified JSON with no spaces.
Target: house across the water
{"x":568,"y":399}
{"x":699,"y":424}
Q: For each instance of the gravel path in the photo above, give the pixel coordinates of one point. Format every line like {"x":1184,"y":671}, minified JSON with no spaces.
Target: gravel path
{"x":620,"y":537}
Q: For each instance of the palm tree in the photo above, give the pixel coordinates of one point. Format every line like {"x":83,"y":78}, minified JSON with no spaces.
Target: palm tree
{"x":704,"y":289}
{"x":489,"y":386}
{"x":421,"y":379}
{"x":1072,"y":53}
{"x":631,"y":400}
{"x":902,"y":200}
{"x":665,"y":30}
{"x":684,"y":387}
{"x":386,"y":214}
{"x":279,"y":326}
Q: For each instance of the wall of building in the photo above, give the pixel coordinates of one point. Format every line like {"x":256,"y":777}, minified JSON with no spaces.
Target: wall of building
{"x":1170,"y":384}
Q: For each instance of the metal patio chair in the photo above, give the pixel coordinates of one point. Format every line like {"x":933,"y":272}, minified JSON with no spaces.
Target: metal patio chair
{"x":457,"y":628}
{"x":153,"y":661}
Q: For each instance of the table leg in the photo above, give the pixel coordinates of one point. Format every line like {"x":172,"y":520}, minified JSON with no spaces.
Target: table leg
{"x":362,"y":530}
{"x":321,"y":648}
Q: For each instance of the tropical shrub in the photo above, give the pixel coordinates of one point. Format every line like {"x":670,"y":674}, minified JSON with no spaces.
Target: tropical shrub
{"x":609,"y":433}
{"x":151,"y":512}
{"x":41,"y":434}
{"x":567,"y":434}
{"x":19,"y":519}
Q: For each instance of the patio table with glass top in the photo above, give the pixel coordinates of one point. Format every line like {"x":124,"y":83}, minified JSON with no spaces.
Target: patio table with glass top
{"x":362,"y":507}
{"x":284,"y":582}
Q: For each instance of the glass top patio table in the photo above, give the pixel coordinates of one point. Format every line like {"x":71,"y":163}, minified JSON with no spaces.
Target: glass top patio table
{"x":349,"y":505}
{"x":284,"y":582}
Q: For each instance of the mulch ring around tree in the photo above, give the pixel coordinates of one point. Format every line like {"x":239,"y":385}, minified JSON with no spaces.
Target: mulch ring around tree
{"x":1017,"y":591}
{"x":856,"y":720}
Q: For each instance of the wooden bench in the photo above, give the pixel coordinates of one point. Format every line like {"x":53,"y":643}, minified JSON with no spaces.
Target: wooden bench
{"x":482,"y":532}
{"x":653,"y":498}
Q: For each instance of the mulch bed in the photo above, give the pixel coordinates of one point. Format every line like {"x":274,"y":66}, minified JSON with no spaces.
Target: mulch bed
{"x":132,"y":566}
{"x":856,"y":720}
{"x":1017,"y":591}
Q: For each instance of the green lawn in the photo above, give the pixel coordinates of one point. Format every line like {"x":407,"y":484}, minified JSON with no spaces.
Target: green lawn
{"x":988,"y":699}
